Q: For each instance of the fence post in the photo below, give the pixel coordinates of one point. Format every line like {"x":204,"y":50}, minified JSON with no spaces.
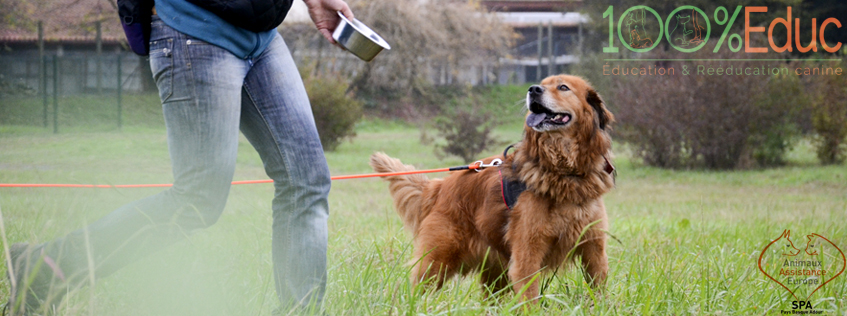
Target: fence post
{"x":579,"y":48}
{"x":540,"y":52}
{"x":99,"y":44}
{"x":120,"y":87}
{"x":42,"y":67}
{"x":551,"y":63}
{"x":55,"y":94}
{"x":44,"y":87}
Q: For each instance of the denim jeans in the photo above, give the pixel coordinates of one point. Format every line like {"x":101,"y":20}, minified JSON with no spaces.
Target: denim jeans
{"x":207,"y":94}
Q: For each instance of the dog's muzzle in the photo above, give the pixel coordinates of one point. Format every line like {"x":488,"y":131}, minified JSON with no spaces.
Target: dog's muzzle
{"x":540,"y":114}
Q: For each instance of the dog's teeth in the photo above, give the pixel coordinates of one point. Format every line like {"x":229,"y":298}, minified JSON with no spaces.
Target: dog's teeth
{"x":557,"y":117}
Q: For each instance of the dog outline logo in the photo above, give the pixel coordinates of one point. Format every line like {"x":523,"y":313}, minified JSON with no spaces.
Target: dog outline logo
{"x":813,"y":245}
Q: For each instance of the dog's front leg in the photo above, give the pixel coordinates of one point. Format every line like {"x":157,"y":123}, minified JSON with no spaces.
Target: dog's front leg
{"x":592,"y":251}
{"x":525,"y":266}
{"x":594,"y":260}
{"x":528,"y":251}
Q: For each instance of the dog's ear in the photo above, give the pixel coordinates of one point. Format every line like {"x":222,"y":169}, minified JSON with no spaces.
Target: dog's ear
{"x":599,"y":106}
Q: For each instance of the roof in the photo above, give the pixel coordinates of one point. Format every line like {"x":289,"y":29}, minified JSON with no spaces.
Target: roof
{"x":532,"y":5}
{"x":525,"y":19}
{"x":63,"y":20}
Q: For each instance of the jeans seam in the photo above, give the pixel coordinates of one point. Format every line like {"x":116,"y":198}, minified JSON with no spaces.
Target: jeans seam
{"x":286,"y":164}
{"x":190,"y":71}
{"x":265,"y":121}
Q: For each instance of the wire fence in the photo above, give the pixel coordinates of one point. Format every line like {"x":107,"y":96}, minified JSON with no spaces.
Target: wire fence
{"x":75,"y":73}
{"x":36,"y":88}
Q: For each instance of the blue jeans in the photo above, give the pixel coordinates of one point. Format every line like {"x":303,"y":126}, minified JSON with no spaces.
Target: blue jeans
{"x":207,"y":95}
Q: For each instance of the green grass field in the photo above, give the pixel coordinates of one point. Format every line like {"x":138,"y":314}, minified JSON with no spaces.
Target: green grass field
{"x":685,"y":242}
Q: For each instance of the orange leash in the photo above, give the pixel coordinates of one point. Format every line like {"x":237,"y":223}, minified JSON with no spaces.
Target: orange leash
{"x":475,"y":166}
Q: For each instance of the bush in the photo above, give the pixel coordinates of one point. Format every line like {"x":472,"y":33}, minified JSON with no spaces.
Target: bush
{"x":466,"y":126}
{"x":468,"y":133}
{"x":829,"y":117}
{"x":715,"y":122}
{"x":336,"y":112}
{"x":779,"y":107}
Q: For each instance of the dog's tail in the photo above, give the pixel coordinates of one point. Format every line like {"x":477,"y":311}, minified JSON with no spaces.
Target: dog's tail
{"x":407,"y":190}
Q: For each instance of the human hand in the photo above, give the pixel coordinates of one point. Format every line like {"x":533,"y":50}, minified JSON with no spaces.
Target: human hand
{"x":323,"y":13}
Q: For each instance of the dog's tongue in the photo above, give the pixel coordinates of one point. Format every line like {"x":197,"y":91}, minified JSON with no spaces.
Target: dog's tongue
{"x":534,"y":119}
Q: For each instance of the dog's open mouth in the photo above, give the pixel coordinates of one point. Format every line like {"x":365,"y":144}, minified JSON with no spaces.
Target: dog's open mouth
{"x":541,"y":115}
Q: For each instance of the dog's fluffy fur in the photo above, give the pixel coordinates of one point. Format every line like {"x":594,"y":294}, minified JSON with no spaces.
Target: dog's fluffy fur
{"x":461,"y":223}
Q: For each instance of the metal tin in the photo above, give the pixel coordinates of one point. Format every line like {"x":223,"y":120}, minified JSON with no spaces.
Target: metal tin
{"x":358,"y":38}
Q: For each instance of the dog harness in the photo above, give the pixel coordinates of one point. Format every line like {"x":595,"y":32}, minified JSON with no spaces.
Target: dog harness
{"x":511,"y":189}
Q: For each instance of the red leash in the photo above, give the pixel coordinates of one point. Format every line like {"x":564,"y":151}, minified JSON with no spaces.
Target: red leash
{"x":474,"y":166}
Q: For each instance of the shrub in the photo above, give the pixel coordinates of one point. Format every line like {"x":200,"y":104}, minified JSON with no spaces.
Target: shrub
{"x":336,"y":111}
{"x":829,"y":118}
{"x":775,"y":126}
{"x":468,"y":133}
{"x":466,"y":126}
{"x":715,"y":122}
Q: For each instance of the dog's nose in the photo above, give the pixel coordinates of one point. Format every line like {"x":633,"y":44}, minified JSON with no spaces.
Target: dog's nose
{"x":535,"y":90}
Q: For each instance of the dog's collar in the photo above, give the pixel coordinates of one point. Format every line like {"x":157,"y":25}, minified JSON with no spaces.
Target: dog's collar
{"x":608,"y":168}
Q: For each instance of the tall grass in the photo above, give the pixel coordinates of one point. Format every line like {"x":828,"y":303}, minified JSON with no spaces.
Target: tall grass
{"x":685,"y":242}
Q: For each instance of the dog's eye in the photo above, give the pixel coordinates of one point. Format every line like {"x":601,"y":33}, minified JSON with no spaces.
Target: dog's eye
{"x":563,"y":88}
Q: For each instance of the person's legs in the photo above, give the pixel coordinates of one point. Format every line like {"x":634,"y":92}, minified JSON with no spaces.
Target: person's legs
{"x":200,"y":88}
{"x":277,"y":119}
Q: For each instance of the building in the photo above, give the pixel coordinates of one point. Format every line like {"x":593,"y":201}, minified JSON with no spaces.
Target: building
{"x":549,"y":30}
{"x":84,"y":37}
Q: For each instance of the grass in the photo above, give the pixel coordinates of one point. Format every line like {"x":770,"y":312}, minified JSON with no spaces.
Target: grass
{"x":82,"y":112}
{"x":685,"y":242}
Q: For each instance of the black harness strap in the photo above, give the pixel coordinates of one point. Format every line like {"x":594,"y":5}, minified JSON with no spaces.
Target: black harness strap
{"x":510,"y":188}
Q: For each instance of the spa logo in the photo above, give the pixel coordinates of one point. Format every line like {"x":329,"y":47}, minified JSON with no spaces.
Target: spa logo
{"x":688,"y":29}
{"x":802,"y":265}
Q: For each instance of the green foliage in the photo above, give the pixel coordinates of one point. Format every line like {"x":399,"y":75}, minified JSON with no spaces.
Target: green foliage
{"x":17,"y":14}
{"x":707,"y":121}
{"x":829,"y":118}
{"x":779,"y":106}
{"x":470,"y":115}
{"x":336,"y":111}
{"x":467,"y":132}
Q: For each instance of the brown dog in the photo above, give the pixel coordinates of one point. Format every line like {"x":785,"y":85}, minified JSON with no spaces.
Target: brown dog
{"x":462,"y":223}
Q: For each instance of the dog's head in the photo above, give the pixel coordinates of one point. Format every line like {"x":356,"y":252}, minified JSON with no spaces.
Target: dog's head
{"x":567,"y":126}
{"x":562,"y":102}
{"x":566,"y":150}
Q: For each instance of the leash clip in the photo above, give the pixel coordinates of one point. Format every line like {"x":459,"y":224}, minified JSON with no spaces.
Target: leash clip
{"x":481,"y":165}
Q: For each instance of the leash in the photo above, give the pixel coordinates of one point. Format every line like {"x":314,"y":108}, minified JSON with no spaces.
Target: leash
{"x":476,"y":166}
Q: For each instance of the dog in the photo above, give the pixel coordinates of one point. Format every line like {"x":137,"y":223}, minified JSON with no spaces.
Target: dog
{"x":560,"y":170}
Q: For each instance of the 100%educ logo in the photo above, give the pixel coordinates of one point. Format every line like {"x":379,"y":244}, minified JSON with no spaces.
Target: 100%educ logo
{"x":688,"y":28}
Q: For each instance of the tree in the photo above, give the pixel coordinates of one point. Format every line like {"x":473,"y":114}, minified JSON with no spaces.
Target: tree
{"x":426,"y":35}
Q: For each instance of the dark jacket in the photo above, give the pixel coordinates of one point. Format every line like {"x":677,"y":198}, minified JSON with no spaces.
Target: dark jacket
{"x":252,"y":15}
{"x":135,"y":19}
